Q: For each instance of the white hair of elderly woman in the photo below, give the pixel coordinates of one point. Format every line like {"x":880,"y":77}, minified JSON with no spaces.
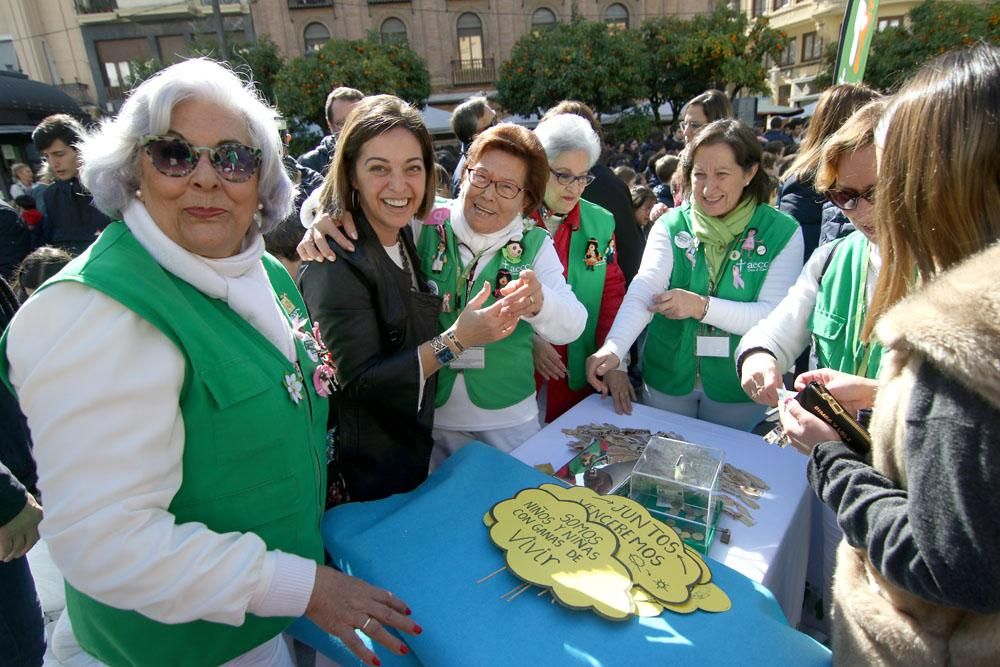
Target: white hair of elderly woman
{"x":110,"y":165}
{"x":568,"y":132}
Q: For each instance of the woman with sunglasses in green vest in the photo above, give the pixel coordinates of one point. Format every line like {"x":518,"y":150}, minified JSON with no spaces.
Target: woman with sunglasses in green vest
{"x":583,"y":235}
{"x":829,"y":301}
{"x":711,"y":270}
{"x":175,"y":394}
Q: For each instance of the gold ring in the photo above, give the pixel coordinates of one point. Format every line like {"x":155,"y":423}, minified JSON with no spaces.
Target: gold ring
{"x":367,"y":621}
{"x":531,"y":299}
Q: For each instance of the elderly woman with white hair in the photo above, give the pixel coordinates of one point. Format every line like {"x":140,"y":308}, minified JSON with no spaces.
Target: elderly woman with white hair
{"x":175,"y":395}
{"x":583,"y":235}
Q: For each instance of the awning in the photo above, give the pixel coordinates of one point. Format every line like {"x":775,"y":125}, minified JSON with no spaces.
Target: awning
{"x":23,"y":101}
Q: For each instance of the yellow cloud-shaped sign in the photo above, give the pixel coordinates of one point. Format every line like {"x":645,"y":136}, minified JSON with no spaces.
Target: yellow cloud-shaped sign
{"x":652,"y":552}
{"x":552,"y":543}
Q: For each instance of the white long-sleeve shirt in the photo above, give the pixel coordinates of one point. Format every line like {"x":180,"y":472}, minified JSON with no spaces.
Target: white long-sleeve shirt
{"x":560,"y":321}
{"x":100,"y":388}
{"x":785,"y":332}
{"x":735,"y":317}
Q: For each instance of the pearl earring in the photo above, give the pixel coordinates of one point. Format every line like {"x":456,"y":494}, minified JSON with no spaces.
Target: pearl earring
{"x":138,"y":194}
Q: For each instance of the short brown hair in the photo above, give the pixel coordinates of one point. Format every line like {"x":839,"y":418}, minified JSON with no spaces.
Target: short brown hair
{"x":521,"y":143}
{"x":714,"y":103}
{"x":344,"y":94}
{"x":746,"y":150}
{"x":577,"y":109}
{"x":372,"y":117}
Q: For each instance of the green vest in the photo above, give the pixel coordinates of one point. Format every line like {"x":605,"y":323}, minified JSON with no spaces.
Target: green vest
{"x":252,"y":457}
{"x":840,"y":311}
{"x":508,"y":376}
{"x":586,"y":272}
{"x":670,"y":364}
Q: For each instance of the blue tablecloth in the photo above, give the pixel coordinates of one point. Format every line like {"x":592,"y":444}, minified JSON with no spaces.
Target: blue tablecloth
{"x":429,"y":547}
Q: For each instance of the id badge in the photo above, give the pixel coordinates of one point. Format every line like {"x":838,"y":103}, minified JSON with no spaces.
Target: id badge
{"x":472,"y":358}
{"x":713,"y":346}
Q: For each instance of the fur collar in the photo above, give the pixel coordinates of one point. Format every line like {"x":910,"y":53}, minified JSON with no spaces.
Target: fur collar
{"x":954,"y":321}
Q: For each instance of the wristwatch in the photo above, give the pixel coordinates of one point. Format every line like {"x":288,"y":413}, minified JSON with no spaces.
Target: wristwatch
{"x":454,"y":340}
{"x":442,"y":352}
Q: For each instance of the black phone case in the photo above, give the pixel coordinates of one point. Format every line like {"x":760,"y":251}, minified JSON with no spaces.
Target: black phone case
{"x":818,"y":400}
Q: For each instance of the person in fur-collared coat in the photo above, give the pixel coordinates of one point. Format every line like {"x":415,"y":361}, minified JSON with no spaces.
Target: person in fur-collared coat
{"x":918,"y":574}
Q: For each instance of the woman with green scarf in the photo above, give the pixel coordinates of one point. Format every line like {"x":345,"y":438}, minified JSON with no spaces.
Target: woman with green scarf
{"x":711,"y":270}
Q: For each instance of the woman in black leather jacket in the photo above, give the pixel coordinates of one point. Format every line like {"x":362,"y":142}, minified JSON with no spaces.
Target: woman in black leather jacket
{"x":375,"y":311}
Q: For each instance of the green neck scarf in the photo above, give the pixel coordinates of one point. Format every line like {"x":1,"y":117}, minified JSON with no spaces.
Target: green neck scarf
{"x":715,"y":234}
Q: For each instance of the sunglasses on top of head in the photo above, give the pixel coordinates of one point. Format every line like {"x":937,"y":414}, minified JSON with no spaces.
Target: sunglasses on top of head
{"x":174,"y":157}
{"x":848,"y":200}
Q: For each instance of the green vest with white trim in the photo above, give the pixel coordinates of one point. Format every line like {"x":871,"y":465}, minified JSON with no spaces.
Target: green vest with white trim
{"x":254,"y":460}
{"x":586,"y":272}
{"x":508,"y":375}
{"x":841,"y":308}
{"x":670,"y":363}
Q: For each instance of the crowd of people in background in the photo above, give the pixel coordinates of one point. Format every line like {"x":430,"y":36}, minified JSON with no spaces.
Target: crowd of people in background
{"x":431,"y":301}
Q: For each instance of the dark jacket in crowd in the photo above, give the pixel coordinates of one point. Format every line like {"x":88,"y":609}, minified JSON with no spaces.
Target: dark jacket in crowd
{"x":609,"y":191}
{"x":801,"y":201}
{"x":372,"y":322}
{"x":318,"y":159}
{"x":835,"y":224}
{"x":778,"y":135}
{"x":71,"y":220}
{"x":15,"y":241}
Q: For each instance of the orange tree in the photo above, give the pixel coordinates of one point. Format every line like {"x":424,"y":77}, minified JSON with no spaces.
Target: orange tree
{"x":368,"y":65}
{"x":581,"y":60}
{"x":723,"y":49}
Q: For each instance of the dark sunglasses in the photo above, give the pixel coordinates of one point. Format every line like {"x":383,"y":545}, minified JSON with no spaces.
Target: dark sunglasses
{"x":848,"y":200}
{"x":174,"y":157}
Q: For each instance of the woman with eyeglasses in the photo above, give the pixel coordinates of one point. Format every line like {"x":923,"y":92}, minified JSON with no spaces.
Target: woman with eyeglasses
{"x":376,"y":311}
{"x":711,"y":270}
{"x":169,"y":377}
{"x":584,"y":238}
{"x":829,"y":301}
{"x":708,"y":107}
{"x":797,"y":192}
{"x":487,"y":392}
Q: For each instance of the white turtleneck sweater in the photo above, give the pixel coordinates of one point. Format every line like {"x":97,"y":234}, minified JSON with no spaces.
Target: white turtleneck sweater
{"x":100,"y":387}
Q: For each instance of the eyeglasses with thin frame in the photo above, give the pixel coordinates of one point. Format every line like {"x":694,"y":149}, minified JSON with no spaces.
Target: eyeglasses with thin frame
{"x":175,"y":157}
{"x":482,"y":180}
{"x":565,"y":178}
{"x":848,"y":200}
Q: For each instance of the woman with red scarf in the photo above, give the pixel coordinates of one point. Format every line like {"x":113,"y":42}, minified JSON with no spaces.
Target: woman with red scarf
{"x":583,"y":234}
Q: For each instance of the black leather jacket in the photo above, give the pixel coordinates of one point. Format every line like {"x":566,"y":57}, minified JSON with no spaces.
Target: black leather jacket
{"x":372,"y":323}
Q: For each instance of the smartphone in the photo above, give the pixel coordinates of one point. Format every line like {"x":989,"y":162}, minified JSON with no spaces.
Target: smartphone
{"x":818,"y":400}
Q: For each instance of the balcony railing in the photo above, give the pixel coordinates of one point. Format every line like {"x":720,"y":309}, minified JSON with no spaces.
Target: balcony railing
{"x":385,"y":2}
{"x":95,"y":6}
{"x":470,"y":72}
{"x":299,"y":4}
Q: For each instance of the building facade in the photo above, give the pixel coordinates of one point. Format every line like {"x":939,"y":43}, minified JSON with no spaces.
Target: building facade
{"x":811,"y":25}
{"x":42,"y":39}
{"x":463,"y":41}
{"x":118,"y":33}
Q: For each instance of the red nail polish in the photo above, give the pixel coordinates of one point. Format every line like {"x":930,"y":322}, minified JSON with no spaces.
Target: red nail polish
{"x":403,"y":649}
{"x":408,"y":612}
{"x":376,"y":661}
{"x":417,"y":629}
